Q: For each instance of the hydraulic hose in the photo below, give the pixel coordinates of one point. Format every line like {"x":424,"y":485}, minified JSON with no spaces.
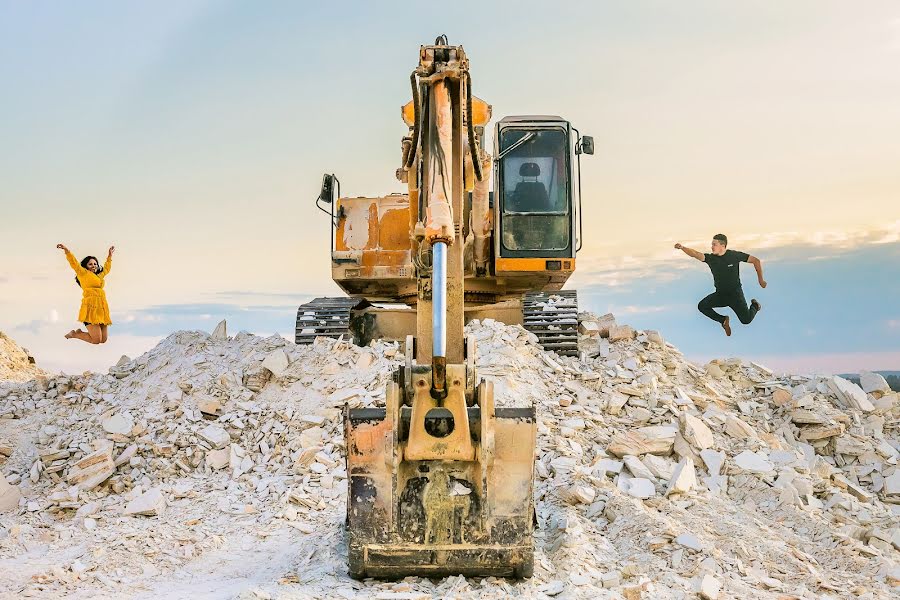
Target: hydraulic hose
{"x":473,"y":147}
{"x":417,"y":111}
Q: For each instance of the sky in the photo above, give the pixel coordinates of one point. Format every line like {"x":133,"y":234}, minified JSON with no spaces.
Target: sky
{"x":193,"y":136}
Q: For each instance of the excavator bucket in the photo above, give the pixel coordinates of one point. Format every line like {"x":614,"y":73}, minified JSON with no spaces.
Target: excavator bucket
{"x":440,"y":488}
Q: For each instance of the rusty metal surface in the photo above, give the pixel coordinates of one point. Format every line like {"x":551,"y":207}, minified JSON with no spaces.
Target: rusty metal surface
{"x":436,"y":516}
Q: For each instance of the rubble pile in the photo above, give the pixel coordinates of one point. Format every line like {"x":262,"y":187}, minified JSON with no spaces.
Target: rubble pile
{"x":212,"y":466}
{"x":16,"y":364}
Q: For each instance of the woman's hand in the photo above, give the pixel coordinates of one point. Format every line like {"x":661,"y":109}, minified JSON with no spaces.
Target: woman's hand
{"x":62,"y":247}
{"x":111,"y":250}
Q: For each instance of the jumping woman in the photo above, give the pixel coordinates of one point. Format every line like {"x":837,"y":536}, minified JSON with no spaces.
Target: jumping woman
{"x":94,"y":312}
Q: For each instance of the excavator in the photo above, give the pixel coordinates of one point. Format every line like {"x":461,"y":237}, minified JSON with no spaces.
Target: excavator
{"x":440,"y":480}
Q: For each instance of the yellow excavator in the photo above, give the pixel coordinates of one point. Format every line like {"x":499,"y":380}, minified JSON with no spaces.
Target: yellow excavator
{"x":440,"y":481}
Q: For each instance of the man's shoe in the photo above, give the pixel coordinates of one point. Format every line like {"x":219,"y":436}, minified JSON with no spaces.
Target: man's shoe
{"x":755,"y":304}
{"x":727,"y":326}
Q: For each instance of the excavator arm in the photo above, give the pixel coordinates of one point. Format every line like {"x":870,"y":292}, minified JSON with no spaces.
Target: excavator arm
{"x":440,"y":482}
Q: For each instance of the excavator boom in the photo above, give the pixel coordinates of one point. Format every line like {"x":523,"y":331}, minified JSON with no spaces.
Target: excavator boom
{"x":440,"y":481}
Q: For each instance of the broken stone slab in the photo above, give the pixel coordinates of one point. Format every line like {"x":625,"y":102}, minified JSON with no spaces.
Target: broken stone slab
{"x":151,"y":503}
{"x":637,"y":487}
{"x":754,"y":462}
{"x":802,"y":416}
{"x":9,"y":495}
{"x":621,"y":332}
{"x":126,"y":455}
{"x":850,"y":394}
{"x":851,"y":446}
{"x":276,"y":362}
{"x":655,"y":439}
{"x":781,"y":397}
{"x":661,"y":467}
{"x":873,"y":382}
{"x":215,"y":436}
{"x":220,"y":333}
{"x":709,"y":587}
{"x":93,"y":469}
{"x":696,"y":432}
{"x":606,"y":465}
{"x":716,"y":484}
{"x":713,"y":461}
{"x":589,"y":328}
{"x":738,"y":429}
{"x":580,"y":494}
{"x":821,"y":432}
{"x":689,"y":540}
{"x":683,"y":479}
{"x":218,"y":459}
{"x":892,"y":484}
{"x":119,"y":423}
{"x":637,"y":468}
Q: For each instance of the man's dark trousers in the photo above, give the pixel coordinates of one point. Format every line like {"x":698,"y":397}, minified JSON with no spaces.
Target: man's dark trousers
{"x":734,"y":300}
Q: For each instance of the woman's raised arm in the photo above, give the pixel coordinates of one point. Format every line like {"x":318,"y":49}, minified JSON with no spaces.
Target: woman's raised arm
{"x":73,"y":262}
{"x":108,"y":264}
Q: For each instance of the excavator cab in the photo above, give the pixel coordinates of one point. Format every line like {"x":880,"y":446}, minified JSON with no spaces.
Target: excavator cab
{"x":537,"y":186}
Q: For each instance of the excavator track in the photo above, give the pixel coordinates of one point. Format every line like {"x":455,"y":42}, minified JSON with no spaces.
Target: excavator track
{"x":324,"y":317}
{"x":553,"y":318}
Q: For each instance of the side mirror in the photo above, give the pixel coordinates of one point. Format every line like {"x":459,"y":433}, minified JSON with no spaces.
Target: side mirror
{"x":327,"y":193}
{"x":587,"y":144}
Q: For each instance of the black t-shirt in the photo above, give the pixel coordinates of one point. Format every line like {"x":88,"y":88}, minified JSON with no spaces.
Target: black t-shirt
{"x":726,"y":269}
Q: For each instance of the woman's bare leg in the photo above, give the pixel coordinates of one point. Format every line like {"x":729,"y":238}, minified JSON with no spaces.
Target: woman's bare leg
{"x":94,"y":333}
{"x":77,"y":334}
{"x":104,"y":334}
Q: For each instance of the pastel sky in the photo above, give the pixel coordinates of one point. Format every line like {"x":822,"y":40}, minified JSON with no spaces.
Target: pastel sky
{"x":193,"y":136}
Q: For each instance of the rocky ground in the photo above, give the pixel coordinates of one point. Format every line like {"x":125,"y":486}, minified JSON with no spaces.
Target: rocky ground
{"x":212,"y":467}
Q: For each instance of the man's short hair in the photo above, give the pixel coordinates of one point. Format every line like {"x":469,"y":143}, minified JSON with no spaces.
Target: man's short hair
{"x":721,"y":237}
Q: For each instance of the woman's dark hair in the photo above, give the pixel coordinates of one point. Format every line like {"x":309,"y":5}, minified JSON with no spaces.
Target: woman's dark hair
{"x":84,"y":263}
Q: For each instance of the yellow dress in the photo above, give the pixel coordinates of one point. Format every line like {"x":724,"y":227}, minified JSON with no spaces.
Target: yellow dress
{"x":94,"y":309}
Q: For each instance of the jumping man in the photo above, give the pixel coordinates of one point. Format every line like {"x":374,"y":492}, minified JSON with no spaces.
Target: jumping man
{"x":725,"y":267}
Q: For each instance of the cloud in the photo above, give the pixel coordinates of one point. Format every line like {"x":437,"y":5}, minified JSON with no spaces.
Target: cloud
{"x":162,"y":319}
{"x":35,"y":326}
{"x":667,"y":264}
{"x":639,"y":310}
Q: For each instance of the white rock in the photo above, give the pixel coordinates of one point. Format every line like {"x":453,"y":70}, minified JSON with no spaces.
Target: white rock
{"x":215,"y":436}
{"x":683,"y":479}
{"x":276,"y":362}
{"x":607,"y":465}
{"x":639,"y":487}
{"x":709,"y":587}
{"x":851,"y":394}
{"x":713,"y":461}
{"x":220,"y":332}
{"x":755,"y":462}
{"x":552,"y":588}
{"x":873,"y":382}
{"x":661,"y":467}
{"x":689,"y":540}
{"x":9,"y":495}
{"x":637,"y":468}
{"x":696,"y":432}
{"x":892,"y":484}
{"x":120,"y":423}
{"x":218,"y":459}
{"x":150,"y":503}
{"x":652,"y":440}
